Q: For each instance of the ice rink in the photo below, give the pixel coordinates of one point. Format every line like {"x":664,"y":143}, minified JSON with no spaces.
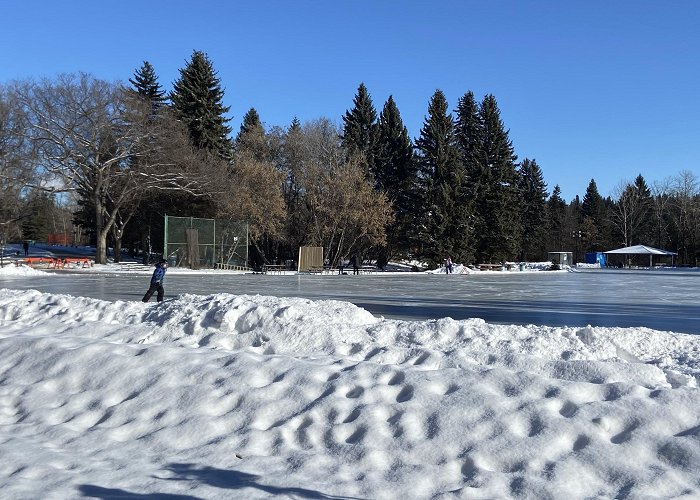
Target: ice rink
{"x":662,"y":300}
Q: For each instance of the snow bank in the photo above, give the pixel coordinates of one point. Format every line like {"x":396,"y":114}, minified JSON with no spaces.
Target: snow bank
{"x":250,"y":396}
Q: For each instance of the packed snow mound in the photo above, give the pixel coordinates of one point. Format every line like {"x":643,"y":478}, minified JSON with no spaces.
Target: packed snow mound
{"x":11,"y":270}
{"x":311,"y":328}
{"x":224,"y":396}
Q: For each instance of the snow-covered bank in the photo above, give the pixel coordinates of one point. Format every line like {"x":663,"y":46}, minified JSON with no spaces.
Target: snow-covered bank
{"x":322,"y":399}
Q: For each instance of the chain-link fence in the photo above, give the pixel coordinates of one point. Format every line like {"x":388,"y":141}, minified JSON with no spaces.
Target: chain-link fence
{"x":206,"y":243}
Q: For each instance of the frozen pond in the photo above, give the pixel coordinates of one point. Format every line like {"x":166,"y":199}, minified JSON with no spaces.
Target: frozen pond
{"x":662,"y":300}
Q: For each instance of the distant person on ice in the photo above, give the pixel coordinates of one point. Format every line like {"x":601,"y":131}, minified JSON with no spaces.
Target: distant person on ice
{"x":448,"y":265}
{"x":157,"y":281}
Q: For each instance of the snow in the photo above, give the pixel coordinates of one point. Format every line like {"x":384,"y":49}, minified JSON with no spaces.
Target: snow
{"x":250,"y":396}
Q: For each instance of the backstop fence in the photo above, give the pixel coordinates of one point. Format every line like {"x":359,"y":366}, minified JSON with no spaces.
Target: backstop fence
{"x":205,"y":243}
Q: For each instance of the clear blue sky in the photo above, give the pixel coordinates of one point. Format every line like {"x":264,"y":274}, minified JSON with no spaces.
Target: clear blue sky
{"x":590,"y":89}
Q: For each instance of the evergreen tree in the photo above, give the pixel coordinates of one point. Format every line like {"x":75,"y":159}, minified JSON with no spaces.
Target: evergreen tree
{"x":469,"y":130}
{"x":645,"y":229}
{"x":39,"y":221}
{"x":556,"y":223}
{"x":593,"y":205}
{"x":395,"y":174}
{"x":145,"y":83}
{"x":359,"y":127}
{"x":440,"y":171}
{"x":251,"y":137}
{"x":198,"y":101}
{"x":498,"y":203}
{"x":534,"y":193}
{"x":595,"y":232}
{"x":574,"y":222}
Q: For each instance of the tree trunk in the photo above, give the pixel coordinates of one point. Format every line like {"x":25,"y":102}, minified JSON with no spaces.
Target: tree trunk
{"x":100,"y":234}
{"x":101,"y":247}
{"x":117,"y":249}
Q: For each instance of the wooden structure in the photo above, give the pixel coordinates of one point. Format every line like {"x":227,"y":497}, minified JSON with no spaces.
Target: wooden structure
{"x":310,"y":258}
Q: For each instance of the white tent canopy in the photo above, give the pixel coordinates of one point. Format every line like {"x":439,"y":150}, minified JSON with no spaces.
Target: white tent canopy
{"x":642,"y":250}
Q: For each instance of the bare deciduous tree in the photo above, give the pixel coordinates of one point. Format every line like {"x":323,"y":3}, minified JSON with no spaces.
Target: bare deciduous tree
{"x":334,"y":204}
{"x":253,"y":193}
{"x":629,"y":212}
{"x":686,"y":214}
{"x":98,"y":139}
{"x":16,"y":164}
{"x":661,"y":194}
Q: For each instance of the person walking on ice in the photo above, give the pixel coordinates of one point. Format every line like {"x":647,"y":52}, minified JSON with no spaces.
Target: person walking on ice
{"x":157,"y":282}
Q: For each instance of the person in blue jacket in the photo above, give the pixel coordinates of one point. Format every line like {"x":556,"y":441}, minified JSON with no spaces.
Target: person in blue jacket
{"x":157,"y":282}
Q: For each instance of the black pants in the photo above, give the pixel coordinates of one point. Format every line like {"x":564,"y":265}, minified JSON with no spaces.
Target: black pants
{"x":154,"y":286}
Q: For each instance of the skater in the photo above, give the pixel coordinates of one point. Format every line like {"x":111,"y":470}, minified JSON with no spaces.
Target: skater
{"x":25,"y":246}
{"x":157,"y":282}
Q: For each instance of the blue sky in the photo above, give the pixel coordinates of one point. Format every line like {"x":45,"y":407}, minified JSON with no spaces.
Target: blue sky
{"x":590,"y":89}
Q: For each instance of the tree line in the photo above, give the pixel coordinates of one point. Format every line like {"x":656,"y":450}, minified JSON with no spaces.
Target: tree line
{"x":103,"y":162}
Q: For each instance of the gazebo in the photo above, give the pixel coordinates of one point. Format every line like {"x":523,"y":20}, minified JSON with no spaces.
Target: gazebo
{"x":642,"y":250}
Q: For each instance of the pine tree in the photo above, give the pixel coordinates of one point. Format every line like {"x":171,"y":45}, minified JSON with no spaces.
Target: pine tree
{"x":251,"y":137}
{"x":359,"y":127}
{"x":498,"y":202}
{"x":594,"y":219}
{"x":439,"y":172}
{"x":40,"y":208}
{"x":644,"y":230}
{"x":395,"y":174}
{"x":574,"y":221}
{"x":145,"y":84}
{"x":198,"y":101}
{"x":556,"y":223}
{"x":593,"y":205}
{"x":533,"y":190}
{"x":469,"y":130}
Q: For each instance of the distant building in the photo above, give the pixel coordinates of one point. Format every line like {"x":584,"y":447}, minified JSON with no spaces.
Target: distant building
{"x":561,"y":258}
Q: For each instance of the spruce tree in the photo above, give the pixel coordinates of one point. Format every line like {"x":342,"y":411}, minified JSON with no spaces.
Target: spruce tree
{"x":145,"y":84}
{"x":645,"y":229}
{"x":251,"y":137}
{"x":594,"y":222}
{"x":395,"y":174}
{"x":359,"y":127}
{"x":533,"y":190}
{"x":574,"y":220}
{"x":593,"y":205}
{"x":498,"y":202}
{"x":440,"y":170}
{"x":556,"y":223}
{"x":198,"y":101}
{"x":469,"y":130}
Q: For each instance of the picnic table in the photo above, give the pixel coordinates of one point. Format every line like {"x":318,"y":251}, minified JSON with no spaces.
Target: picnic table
{"x":55,"y":262}
{"x":274,"y":268}
{"x":490,"y":267}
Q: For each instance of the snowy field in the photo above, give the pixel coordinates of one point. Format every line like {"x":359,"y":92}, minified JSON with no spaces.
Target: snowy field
{"x":251,"y":396}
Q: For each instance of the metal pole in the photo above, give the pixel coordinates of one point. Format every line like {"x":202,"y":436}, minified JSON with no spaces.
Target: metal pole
{"x":165,"y":243}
